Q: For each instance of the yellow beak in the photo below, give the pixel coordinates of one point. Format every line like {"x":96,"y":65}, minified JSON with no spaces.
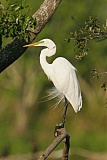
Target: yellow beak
{"x":33,"y":44}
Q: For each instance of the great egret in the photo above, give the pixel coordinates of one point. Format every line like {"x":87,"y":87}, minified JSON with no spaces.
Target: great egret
{"x":63,"y":75}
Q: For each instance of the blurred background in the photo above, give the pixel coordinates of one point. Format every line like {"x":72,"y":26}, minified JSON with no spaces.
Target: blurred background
{"x":27,"y":121}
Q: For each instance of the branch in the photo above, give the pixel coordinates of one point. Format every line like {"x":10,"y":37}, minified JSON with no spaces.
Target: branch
{"x":15,"y":49}
{"x":66,"y":148}
{"x":62,"y":136}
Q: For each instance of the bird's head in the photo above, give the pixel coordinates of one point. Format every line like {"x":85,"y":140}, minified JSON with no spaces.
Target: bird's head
{"x":44,"y":42}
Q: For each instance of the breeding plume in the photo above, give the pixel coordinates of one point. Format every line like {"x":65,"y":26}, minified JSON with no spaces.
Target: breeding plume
{"x":63,"y":75}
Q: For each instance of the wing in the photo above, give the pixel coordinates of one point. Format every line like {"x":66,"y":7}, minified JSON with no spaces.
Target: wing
{"x":65,"y":80}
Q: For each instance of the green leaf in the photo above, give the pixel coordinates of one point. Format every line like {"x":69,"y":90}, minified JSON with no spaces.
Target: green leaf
{"x":14,"y":21}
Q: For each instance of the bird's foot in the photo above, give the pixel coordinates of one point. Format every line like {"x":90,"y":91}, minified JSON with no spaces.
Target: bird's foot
{"x":56,"y":132}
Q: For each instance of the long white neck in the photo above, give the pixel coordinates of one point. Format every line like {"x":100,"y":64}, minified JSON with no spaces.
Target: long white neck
{"x":44,"y":64}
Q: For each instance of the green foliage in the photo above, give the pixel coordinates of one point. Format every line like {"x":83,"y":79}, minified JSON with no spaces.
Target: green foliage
{"x":89,"y":31}
{"x":15,"y":21}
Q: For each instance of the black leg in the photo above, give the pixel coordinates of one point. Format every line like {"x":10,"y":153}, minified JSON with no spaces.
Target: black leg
{"x":63,"y":119}
{"x":65,"y":111}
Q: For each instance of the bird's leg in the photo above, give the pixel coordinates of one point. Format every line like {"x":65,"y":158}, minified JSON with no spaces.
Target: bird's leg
{"x":65,"y":110}
{"x":63,"y":119}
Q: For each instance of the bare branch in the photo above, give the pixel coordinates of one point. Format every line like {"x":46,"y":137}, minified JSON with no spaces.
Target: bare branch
{"x":62,"y":135}
{"x":15,"y":49}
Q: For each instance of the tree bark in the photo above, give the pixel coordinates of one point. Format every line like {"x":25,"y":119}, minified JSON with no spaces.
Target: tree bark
{"x":15,"y":49}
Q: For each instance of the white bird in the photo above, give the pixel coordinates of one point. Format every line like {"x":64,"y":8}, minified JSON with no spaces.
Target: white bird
{"x":63,"y":75}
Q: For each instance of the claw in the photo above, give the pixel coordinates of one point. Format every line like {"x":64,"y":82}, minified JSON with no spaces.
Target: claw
{"x":56,"y":133}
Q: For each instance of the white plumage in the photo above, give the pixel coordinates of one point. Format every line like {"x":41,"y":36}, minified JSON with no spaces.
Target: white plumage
{"x":65,"y":80}
{"x":62,"y":73}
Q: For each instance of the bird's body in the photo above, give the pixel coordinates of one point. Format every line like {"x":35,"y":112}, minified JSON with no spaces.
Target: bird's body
{"x":68,"y":82}
{"x":62,"y":73}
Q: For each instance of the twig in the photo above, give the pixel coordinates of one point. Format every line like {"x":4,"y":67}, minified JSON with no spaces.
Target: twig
{"x":62,"y":136}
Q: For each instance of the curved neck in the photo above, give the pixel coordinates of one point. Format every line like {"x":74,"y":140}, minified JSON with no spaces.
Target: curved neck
{"x":44,"y":64}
